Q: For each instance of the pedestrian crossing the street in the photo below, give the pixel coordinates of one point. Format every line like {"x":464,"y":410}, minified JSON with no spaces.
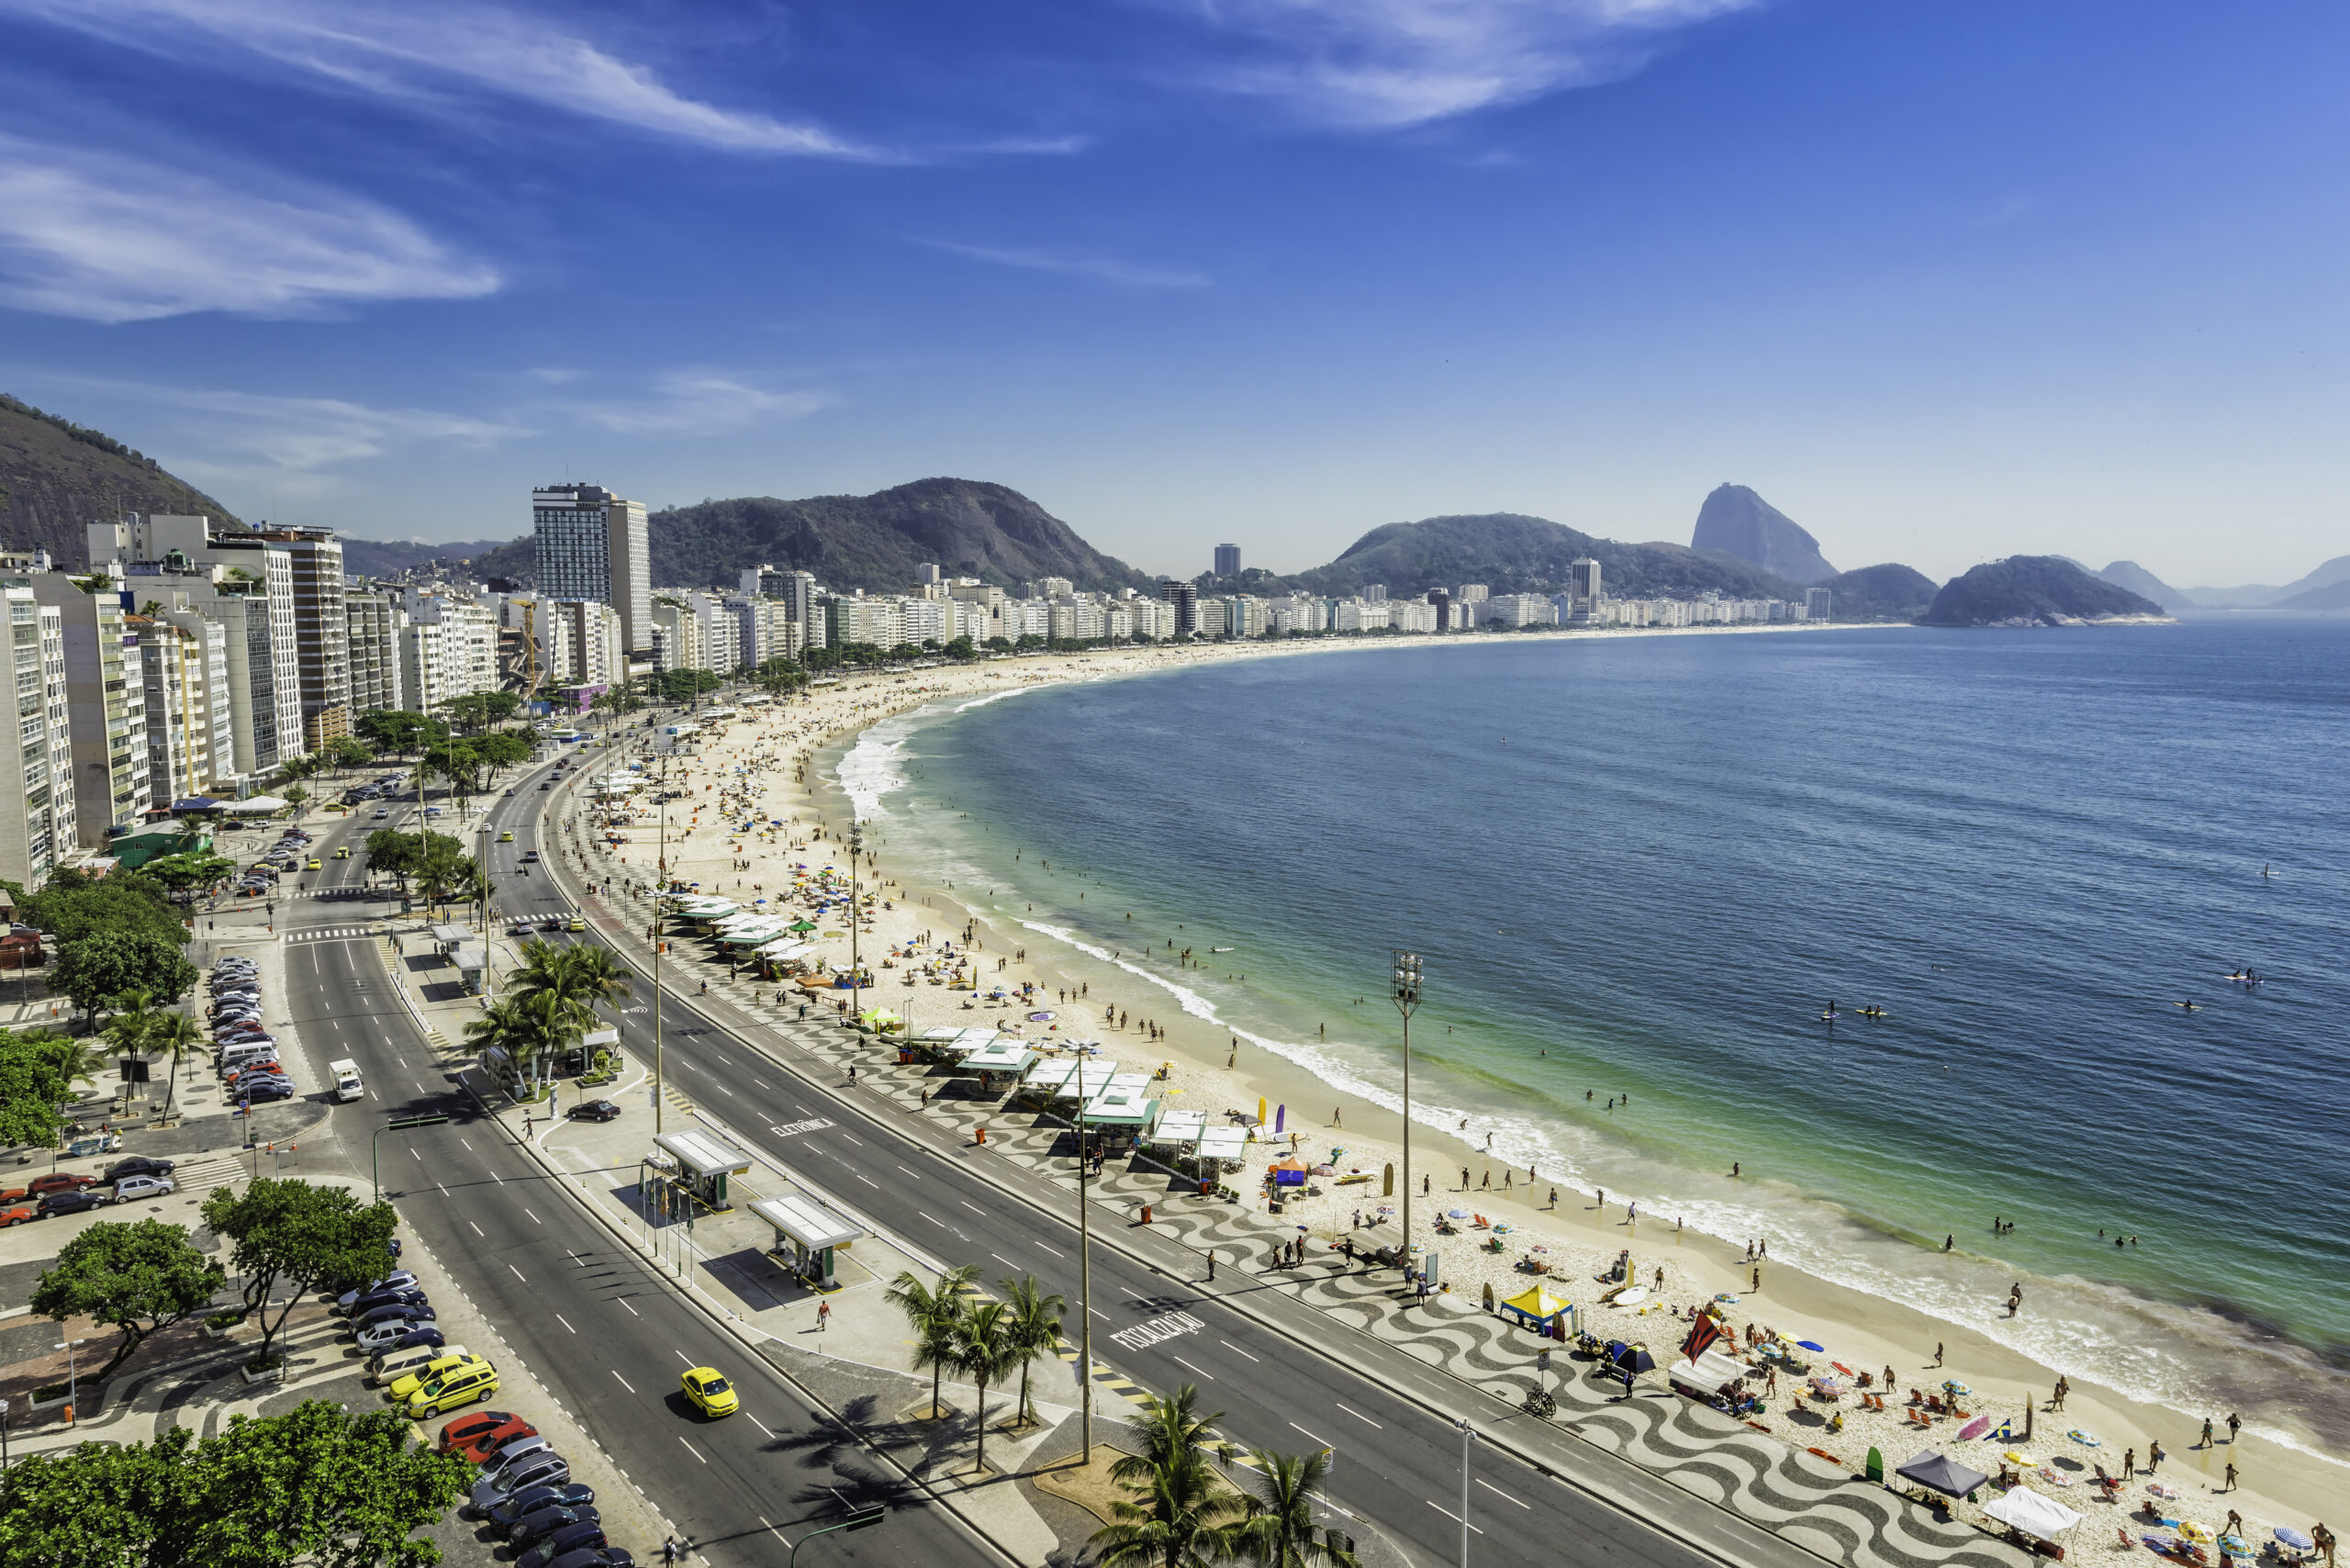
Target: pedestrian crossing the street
{"x":330,"y":934}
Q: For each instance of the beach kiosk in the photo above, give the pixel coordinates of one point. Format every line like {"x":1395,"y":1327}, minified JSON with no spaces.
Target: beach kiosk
{"x":472,"y":959}
{"x":1222,"y":1146}
{"x":1121,"y":1112}
{"x":1537,"y":1309}
{"x":806,"y":1235}
{"x":447,"y":940}
{"x":705,"y":1161}
{"x":999,"y":1064}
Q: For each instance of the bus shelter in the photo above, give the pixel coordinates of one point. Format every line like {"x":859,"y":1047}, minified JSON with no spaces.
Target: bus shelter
{"x":704,"y":1165}
{"x":808,"y":1235}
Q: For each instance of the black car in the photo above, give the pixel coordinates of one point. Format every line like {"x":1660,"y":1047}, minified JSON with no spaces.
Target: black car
{"x":547,"y":1520}
{"x":73,"y":1202}
{"x":422,"y":1334}
{"x":570,"y":1538}
{"x":596,"y":1111}
{"x":531,"y":1499}
{"x":137,"y":1165}
{"x":595,"y":1557}
{"x":390,"y":1295}
{"x":415,"y":1318}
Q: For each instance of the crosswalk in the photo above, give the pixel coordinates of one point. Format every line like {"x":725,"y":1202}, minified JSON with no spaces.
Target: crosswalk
{"x":329,"y":934}
{"x":201,"y":1175}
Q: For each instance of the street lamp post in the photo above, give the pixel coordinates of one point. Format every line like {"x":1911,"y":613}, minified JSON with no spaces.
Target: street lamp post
{"x":1084,"y":1271}
{"x":856,"y":913}
{"x":660,"y":875}
{"x":72,"y":1380}
{"x":375,"y":1159}
{"x":1468,"y":1435}
{"x":1406,"y":990}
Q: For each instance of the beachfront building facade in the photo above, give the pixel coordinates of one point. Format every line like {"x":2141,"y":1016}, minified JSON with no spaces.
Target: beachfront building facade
{"x":449,"y":648}
{"x":184,"y":682}
{"x":37,"y":816}
{"x":105,"y":705}
{"x":592,"y":545}
{"x":321,"y":630}
{"x":372,"y":623}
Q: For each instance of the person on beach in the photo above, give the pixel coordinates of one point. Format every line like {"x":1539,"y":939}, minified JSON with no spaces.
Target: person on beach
{"x":2232,"y":1477}
{"x":2235,"y":1423}
{"x":1938,"y":1353}
{"x":2153,"y":1458}
{"x":2208,"y":1427}
{"x":2128,"y":1462}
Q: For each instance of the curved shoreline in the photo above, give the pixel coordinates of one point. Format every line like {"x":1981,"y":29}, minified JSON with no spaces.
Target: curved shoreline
{"x":2289,"y":1466}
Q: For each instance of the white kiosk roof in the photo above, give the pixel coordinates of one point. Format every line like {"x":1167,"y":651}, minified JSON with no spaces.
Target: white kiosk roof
{"x":1123,"y":1104}
{"x":1179,"y":1127}
{"x":704,"y":1154}
{"x":805,"y":1223}
{"x":1006,"y":1055}
{"x":1223,"y":1143}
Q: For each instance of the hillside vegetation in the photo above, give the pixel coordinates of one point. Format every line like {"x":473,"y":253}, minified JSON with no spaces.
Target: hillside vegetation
{"x":57,"y":476}
{"x":2026,"y":590}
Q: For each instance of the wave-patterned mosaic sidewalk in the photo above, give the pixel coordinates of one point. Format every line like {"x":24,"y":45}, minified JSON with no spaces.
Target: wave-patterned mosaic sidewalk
{"x":1821,"y":1506}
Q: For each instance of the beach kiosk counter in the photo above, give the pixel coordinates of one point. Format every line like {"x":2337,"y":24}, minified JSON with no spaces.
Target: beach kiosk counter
{"x":807,"y":1235}
{"x":705,"y":1163}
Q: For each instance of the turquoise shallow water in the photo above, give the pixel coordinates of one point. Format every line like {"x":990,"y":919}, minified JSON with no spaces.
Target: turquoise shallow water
{"x":1659,"y":859}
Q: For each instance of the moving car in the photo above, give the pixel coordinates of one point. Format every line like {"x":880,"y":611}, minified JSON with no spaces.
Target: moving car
{"x":137,"y":1165}
{"x":576,"y":924}
{"x":382,"y":812}
{"x":312,"y":865}
{"x":506,"y":836}
{"x":530,"y":856}
{"x":596,"y":1111}
{"x":709,"y":1392}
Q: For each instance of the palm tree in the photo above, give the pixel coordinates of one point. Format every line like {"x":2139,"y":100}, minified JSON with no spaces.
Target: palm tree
{"x":984,"y":1351}
{"x":1036,"y":1328}
{"x":1279,"y":1529}
{"x":177,"y":1036}
{"x":932,"y":1314}
{"x":1182,"y":1518}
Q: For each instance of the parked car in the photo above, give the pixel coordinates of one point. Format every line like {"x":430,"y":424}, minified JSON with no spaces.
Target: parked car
{"x":595,"y":1557}
{"x":548,"y":1521}
{"x":131,"y":1188}
{"x":419,"y":1336}
{"x":16,"y":1213}
{"x":267,"y":1093}
{"x":470,"y":1429}
{"x":595,"y":1110}
{"x":398,"y":1280}
{"x":402,"y":1384}
{"x":58,"y":1182}
{"x":570,"y":1538}
{"x":403,"y":1316}
{"x":512,"y":1450}
{"x":139,"y":1165}
{"x":75,"y":1203}
{"x":383,"y":1335}
{"x":531,"y":1499}
{"x":539,"y":1470}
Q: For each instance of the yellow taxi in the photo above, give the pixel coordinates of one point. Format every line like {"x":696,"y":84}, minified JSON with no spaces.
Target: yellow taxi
{"x":344,"y":852}
{"x":505,"y":837}
{"x":709,"y":1392}
{"x":576,"y":924}
{"x":404,"y":1389}
{"x":462,"y":1386}
{"x":312,"y":865}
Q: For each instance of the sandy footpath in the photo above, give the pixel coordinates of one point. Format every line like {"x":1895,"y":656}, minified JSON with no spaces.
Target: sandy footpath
{"x":1576,"y":1236}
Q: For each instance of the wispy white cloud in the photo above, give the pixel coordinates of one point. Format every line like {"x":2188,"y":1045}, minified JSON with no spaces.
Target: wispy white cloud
{"x":697,"y":401}
{"x":1389,"y":63}
{"x":1078,"y":264}
{"x":247,"y":432}
{"x":419,"y":53}
{"x":109,"y":238}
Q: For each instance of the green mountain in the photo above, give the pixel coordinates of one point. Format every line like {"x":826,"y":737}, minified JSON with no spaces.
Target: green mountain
{"x":2032,"y":591}
{"x":57,"y":476}
{"x":1890,"y":592}
{"x":386,"y":557}
{"x":1514,"y":554}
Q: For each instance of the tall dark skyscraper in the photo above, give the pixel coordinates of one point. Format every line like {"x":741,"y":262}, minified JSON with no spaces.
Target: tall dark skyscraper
{"x":1185,"y":598}
{"x":1228,"y":560}
{"x":592,"y":544}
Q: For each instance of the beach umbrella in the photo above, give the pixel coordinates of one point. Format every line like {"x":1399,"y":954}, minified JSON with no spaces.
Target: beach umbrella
{"x":2195,"y":1531}
{"x":2294,"y":1538}
{"x":1955,"y":1387}
{"x":1810,"y":1345}
{"x":2235,"y":1546}
{"x":1456,"y":1214}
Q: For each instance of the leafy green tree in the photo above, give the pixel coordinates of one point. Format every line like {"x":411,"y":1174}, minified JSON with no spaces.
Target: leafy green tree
{"x":1034,"y":1328}
{"x":182,"y":873}
{"x":443,"y":871}
{"x":177,"y":1035}
{"x":999,"y":644}
{"x":961,"y":648}
{"x":292,"y":1234}
{"x":1179,"y":1516}
{"x":33,"y":1080}
{"x":395,"y":854}
{"x":346,"y":752}
{"x":503,"y":749}
{"x":74,"y":905}
{"x":1277,"y":1529}
{"x":317,"y":1486}
{"x":933,"y":1316}
{"x":138,"y":1278}
{"x":296,"y":794}
{"x":96,"y":967}
{"x":398,"y":731}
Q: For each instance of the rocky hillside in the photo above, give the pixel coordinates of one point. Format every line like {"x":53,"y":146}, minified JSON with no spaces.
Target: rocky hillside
{"x":1737,"y":522}
{"x":57,"y":476}
{"x":1890,"y":592}
{"x":2033,"y":590}
{"x":1514,"y":554}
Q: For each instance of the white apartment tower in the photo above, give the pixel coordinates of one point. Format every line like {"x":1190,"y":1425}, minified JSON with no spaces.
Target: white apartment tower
{"x":36,"y":827}
{"x":592,"y":545}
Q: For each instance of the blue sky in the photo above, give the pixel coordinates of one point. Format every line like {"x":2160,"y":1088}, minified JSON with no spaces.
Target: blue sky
{"x":1945,"y":281}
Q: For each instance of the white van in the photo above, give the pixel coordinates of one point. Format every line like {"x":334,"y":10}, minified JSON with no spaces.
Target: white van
{"x":245,"y":1051}
{"x":394,"y":1365}
{"x":345,"y":1074}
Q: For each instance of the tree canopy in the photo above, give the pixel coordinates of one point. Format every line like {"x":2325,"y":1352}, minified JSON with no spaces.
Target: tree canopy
{"x":96,"y":968}
{"x":35,"y":1074}
{"x":74,"y":905}
{"x":291,"y":1233}
{"x":141,"y":1278}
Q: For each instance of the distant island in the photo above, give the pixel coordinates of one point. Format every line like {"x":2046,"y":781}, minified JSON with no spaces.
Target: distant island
{"x":2036,"y":590}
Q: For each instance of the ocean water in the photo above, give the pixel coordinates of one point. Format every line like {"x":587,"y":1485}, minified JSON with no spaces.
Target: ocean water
{"x":1658,"y":859}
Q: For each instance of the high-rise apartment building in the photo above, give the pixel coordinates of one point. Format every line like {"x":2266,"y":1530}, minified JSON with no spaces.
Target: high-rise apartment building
{"x":105,"y":703}
{"x":321,"y":630}
{"x":183,"y":674}
{"x":373,"y":620}
{"x":1375,"y":593}
{"x":1817,"y":603}
{"x":36,"y":815}
{"x":927,"y":574}
{"x":1228,"y":560}
{"x":1583,"y":582}
{"x":449,"y":648}
{"x":592,"y":545}
{"x":1185,"y":599}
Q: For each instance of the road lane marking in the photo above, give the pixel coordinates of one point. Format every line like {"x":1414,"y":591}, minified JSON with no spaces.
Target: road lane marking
{"x":1235,"y":1348}
{"x":1356,"y":1414}
{"x":625,"y":1383}
{"x":939,"y":1222}
{"x":1209,"y":1375}
{"x":973,"y":1207}
{"x":517,"y":1274}
{"x":1499,"y":1493}
{"x":697,"y":1453}
{"x":763,"y":1518}
{"x":908,"y":1172}
{"x":852,"y":1137}
{"x":762,"y":1425}
{"x":477,"y":1230}
{"x":867,"y":1180}
{"x":631,"y":1311}
{"x":1295,"y":1427}
{"x":534,"y":1219}
{"x":1448,"y":1514}
{"x":461,"y":1139}
{"x":1054,"y":1250}
{"x":559,"y":1318}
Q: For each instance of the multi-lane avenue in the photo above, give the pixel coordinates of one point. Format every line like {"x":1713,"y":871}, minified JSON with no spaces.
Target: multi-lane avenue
{"x":606,"y":1333}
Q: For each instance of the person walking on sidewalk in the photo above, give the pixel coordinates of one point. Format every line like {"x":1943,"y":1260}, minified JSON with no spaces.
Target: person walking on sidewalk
{"x":823,"y":1316}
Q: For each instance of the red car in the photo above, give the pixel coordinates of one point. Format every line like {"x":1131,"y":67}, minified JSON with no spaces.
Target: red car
{"x":18,"y":1216}
{"x":485,"y":1446}
{"x":461,"y":1432}
{"x":58,"y":1182}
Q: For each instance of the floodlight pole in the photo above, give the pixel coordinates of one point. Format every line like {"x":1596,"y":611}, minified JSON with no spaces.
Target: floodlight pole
{"x":1405,"y":988}
{"x":1084,"y":1271}
{"x":856,"y":913}
{"x":660,"y":875}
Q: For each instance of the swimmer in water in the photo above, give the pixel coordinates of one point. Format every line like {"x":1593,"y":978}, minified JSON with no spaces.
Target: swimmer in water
{"x":2190,"y":1006}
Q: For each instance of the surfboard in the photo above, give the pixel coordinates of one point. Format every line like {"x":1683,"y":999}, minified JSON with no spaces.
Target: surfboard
{"x":1633,"y":1297}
